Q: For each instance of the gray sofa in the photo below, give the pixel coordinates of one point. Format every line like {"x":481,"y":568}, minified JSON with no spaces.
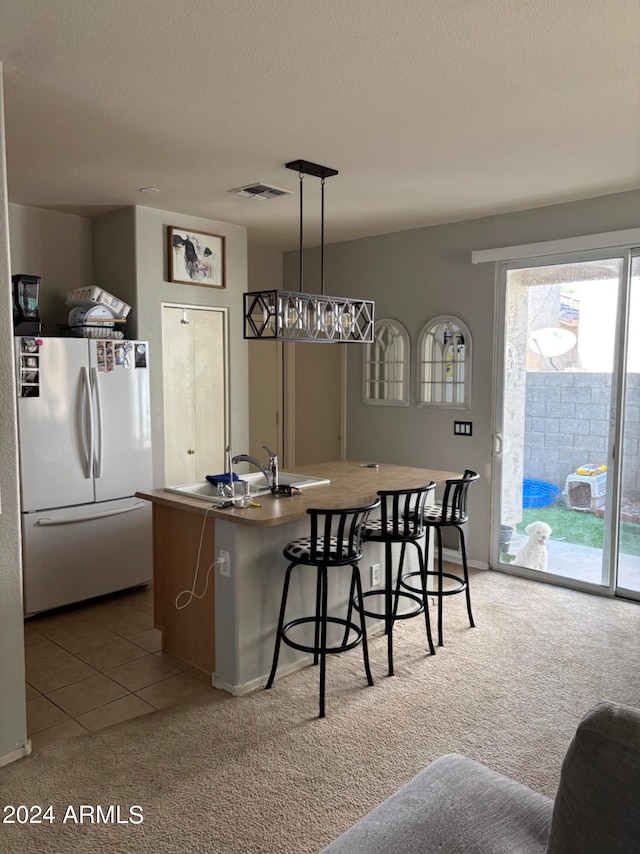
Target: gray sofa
{"x":457,"y":806}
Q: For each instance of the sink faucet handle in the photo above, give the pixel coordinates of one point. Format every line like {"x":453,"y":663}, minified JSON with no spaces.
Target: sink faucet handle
{"x":273,"y":467}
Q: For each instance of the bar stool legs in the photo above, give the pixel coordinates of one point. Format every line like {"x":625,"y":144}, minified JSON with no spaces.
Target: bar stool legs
{"x":320,"y":648}
{"x":401,"y":521}
{"x":425,"y":600}
{"x":463,"y":551}
{"x":334,"y":543}
{"x":363,"y":624}
{"x":322,"y":572}
{"x":441,"y":592}
{"x":451,"y":512}
{"x":392,"y":597}
{"x":283,"y":607}
{"x":389,"y":611}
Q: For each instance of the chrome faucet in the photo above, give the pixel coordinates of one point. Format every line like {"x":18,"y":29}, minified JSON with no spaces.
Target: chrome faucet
{"x":270,"y":471}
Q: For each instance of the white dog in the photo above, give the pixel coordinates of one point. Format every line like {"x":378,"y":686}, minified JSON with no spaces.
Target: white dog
{"x":534,"y":552}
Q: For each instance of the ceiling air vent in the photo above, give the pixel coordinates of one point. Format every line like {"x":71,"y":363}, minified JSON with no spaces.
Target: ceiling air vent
{"x":260,"y":192}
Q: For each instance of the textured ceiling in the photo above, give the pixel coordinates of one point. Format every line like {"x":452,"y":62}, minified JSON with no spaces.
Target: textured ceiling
{"x":431,"y":110}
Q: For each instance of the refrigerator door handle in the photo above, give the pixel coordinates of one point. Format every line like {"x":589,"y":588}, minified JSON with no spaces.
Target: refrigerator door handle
{"x":98,"y":393}
{"x":46,"y":521}
{"x":88,"y":421}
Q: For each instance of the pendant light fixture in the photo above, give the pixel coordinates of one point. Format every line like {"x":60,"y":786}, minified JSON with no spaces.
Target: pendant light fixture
{"x":298,"y":316}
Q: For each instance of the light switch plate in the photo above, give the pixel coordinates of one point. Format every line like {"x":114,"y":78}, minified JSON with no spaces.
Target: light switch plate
{"x":462,"y":428}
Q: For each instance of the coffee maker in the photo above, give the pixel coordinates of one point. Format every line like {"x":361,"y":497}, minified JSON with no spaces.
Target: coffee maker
{"x":26,"y":316}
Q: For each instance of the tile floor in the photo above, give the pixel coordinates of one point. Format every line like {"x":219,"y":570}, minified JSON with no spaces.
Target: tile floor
{"x":97,"y":663}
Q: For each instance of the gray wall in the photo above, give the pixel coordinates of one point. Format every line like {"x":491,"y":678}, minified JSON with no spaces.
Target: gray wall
{"x":415,"y":275}
{"x":265,"y":362}
{"x":13,"y":731}
{"x":153,"y":288}
{"x":57,"y":247}
{"x":113,"y":244}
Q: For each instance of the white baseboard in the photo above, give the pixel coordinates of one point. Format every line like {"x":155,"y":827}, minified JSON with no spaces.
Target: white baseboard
{"x":23,"y":751}
{"x":247,"y":687}
{"x":373,"y":628}
{"x":454,"y":556}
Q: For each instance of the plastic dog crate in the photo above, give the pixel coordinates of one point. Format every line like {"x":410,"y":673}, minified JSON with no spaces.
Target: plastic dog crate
{"x":585,"y":492}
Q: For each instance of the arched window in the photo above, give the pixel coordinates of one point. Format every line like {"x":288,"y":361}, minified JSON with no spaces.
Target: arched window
{"x":444,"y":363}
{"x":386,"y":365}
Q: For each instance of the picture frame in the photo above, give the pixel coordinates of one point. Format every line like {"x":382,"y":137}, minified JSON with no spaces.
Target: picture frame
{"x":196,"y":257}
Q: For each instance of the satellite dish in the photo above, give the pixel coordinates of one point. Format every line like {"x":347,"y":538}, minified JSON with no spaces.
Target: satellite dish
{"x":552,"y":341}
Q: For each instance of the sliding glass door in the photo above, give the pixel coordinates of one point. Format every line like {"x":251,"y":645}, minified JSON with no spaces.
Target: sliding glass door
{"x":567,"y":441}
{"x":628,"y":535}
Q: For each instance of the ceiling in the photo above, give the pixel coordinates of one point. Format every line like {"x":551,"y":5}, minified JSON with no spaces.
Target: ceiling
{"x":432,"y":110}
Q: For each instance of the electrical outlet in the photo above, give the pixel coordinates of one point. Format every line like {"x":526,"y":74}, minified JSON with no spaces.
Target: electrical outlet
{"x":225,"y":563}
{"x":375,"y":574}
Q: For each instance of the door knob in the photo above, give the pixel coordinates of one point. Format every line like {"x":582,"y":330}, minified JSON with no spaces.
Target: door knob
{"x":191,"y":451}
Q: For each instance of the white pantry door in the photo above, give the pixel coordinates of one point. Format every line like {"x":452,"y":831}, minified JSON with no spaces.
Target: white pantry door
{"x":195,"y":382}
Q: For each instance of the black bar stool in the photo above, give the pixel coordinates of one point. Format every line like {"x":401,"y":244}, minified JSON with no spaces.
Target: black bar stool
{"x":401,"y":521}
{"x":335,"y":541}
{"x":450,"y":513}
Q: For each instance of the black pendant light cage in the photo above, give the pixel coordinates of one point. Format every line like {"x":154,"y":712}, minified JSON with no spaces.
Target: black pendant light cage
{"x":296,"y":316}
{"x":275,"y":315}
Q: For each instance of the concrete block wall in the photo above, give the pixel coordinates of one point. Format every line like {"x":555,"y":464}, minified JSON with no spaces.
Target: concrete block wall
{"x":567,"y":425}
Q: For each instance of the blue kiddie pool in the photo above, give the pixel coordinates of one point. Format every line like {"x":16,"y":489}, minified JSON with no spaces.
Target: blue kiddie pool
{"x":538,"y":493}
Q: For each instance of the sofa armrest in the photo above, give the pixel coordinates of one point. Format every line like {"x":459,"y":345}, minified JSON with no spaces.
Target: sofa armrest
{"x":454,"y":806}
{"x":597,"y":807}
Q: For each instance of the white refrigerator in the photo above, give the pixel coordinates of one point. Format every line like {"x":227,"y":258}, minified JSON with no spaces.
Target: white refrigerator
{"x":85,"y":449}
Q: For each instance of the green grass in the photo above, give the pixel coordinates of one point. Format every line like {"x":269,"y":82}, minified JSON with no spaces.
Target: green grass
{"x":580,"y":527}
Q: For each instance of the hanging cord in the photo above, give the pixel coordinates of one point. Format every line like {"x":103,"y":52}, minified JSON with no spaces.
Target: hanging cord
{"x":192,"y":593}
{"x":322,"y":239}
{"x":301,"y":177}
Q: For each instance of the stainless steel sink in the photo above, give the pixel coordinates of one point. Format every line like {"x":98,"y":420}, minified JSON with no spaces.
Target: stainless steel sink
{"x":258,"y":482}
{"x":201,"y":489}
{"x":206,"y":491}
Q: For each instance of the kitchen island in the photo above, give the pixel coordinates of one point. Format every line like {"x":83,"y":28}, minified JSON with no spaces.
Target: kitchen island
{"x":223,"y":621}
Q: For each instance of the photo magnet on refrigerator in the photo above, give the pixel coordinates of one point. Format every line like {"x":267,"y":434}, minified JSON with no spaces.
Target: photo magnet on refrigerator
{"x":128,"y":353}
{"x":30,"y":367}
{"x":141,"y":355}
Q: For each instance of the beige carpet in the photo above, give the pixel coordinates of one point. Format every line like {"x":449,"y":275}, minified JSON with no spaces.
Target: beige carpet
{"x":263,"y":774}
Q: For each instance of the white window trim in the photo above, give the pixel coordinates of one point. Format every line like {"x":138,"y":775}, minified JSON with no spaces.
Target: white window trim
{"x":468,"y":352}
{"x":588,"y":242}
{"x":367,"y":351}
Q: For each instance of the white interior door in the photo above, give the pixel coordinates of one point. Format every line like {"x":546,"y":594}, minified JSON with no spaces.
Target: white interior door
{"x":195,"y":382}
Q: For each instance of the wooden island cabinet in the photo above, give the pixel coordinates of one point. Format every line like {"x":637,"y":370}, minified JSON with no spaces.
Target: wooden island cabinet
{"x":225,"y":624}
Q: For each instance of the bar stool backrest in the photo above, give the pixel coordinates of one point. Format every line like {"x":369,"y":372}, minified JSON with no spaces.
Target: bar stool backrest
{"x":454,"y":500}
{"x":336,"y":534}
{"x":402,"y":512}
